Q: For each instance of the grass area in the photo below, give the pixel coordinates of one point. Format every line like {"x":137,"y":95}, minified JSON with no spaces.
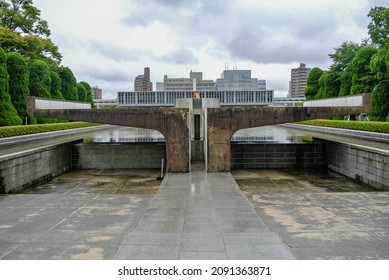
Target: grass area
{"x":9,"y":131}
{"x":382,"y":127}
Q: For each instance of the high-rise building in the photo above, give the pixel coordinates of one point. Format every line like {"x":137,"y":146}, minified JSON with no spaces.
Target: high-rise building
{"x":97,"y":93}
{"x":194,"y":82}
{"x":239,"y":80}
{"x":298,"y":81}
{"x":142,"y":82}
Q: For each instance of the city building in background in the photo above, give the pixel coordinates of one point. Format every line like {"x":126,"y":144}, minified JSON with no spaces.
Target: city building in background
{"x":238,"y":80}
{"x":142,"y":82}
{"x":298,"y":81}
{"x":97,"y":93}
{"x":168,"y":98}
{"x":262,"y":84}
{"x":234,"y":88}
{"x":194,"y":82}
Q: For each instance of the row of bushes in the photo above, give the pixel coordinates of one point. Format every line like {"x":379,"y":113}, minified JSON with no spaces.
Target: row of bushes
{"x":9,"y":131}
{"x":355,"y":125}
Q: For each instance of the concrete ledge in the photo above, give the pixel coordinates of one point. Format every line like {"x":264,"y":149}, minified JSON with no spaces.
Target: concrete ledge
{"x":16,"y":140}
{"x":375,"y":136}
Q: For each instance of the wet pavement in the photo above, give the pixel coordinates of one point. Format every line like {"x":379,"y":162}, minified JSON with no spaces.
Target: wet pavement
{"x":128,"y":214}
{"x":321,"y":214}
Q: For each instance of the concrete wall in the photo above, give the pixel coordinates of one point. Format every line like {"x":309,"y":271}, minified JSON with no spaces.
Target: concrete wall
{"x":25,"y":169}
{"x":118,"y":156}
{"x":304,"y":155}
{"x":367,"y":165}
{"x":342,"y":101}
{"x":43,"y":103}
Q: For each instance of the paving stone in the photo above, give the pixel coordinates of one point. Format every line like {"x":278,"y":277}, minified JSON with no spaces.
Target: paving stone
{"x":148,"y":252}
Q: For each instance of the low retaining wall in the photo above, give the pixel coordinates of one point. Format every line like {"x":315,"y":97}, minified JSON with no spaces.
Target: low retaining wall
{"x":32,"y":167}
{"x":367,"y":165}
{"x":272,"y":155}
{"x":118,"y":156}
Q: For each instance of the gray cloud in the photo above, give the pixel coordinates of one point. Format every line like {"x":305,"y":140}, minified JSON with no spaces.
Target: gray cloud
{"x":251,"y":46}
{"x":116,"y":52}
{"x":105,"y":74}
{"x":180,"y":56}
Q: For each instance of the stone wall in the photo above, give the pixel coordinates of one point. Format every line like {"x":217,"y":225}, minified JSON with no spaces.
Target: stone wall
{"x":367,"y":165}
{"x":32,"y":167}
{"x":273,"y":155}
{"x":118,"y":156}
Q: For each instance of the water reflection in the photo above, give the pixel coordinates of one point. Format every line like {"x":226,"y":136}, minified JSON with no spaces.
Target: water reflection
{"x":268,"y":134}
{"x":127,"y":134}
{"x":265,"y":134}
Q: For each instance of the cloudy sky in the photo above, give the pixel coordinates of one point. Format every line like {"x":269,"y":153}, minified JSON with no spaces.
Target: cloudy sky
{"x":108,"y":43}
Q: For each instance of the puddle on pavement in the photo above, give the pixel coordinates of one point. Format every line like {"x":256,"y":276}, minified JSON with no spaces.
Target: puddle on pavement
{"x":269,"y":181}
{"x":132,"y":181}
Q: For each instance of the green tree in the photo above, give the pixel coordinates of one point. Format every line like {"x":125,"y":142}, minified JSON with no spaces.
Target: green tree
{"x":81,"y":92}
{"x":55,"y":88}
{"x":331,"y":83}
{"x":23,"y":31}
{"x":313,"y":87}
{"x":345,"y":82}
{"x":378,"y":65}
{"x":18,"y":82}
{"x":20,"y":16}
{"x":8,"y":114}
{"x":378,"y":28}
{"x":68,"y":83}
{"x":343,"y":56}
{"x":89,"y":97}
{"x":40,"y":79}
{"x":342,"y":65}
{"x":363,"y":78}
{"x":380,"y":101}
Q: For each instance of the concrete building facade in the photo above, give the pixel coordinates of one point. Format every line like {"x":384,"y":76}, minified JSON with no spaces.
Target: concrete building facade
{"x":298,"y":81}
{"x":97,"y":93}
{"x":194,"y":82}
{"x":168,"y":98}
{"x":142,"y":82}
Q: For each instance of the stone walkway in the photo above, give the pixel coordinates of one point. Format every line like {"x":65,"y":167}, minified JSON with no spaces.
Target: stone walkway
{"x":122,"y":214}
{"x":201,"y":216}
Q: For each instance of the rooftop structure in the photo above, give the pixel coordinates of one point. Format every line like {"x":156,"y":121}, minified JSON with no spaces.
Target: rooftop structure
{"x":194,"y":82}
{"x":238,"y":80}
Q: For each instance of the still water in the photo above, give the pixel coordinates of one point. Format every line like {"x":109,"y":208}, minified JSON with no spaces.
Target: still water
{"x":265,"y":134}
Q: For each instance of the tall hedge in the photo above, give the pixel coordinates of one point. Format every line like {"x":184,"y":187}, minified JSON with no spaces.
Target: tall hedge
{"x":40,"y":79}
{"x":68,"y":83}
{"x":55,"y":88}
{"x":380,"y":101}
{"x":18,"y":82}
{"x":8,"y":113}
